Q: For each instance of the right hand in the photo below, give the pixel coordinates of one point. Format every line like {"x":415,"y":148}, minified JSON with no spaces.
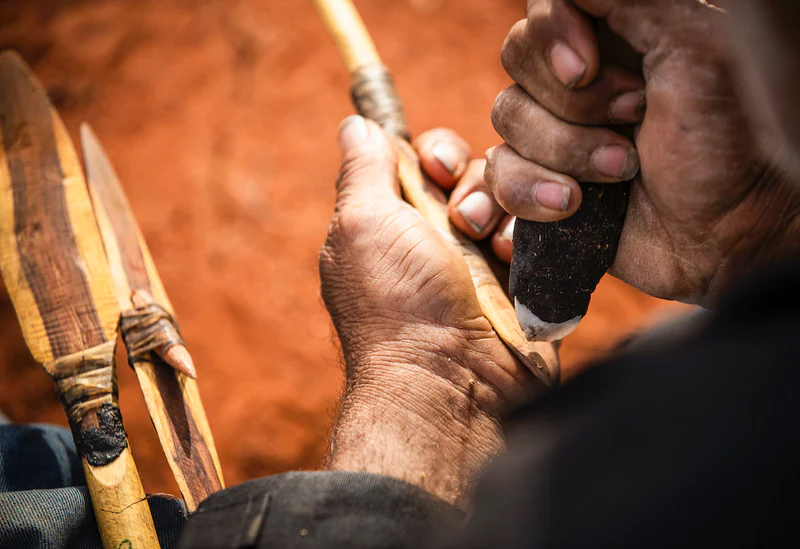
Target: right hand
{"x":706,"y":205}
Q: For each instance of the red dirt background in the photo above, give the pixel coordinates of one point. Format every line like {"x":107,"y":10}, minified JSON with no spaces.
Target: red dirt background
{"x":220,"y":117}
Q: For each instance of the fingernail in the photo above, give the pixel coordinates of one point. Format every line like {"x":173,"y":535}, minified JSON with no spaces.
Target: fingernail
{"x":447,"y":155}
{"x":553,"y":196}
{"x":477,"y":209}
{"x":628,"y":106}
{"x":352,"y":131}
{"x":508,"y":230}
{"x":616,"y":161}
{"x":567,"y":66}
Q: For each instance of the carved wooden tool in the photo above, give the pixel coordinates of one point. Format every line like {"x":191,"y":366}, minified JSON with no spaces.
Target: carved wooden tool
{"x":375,"y":97}
{"x":55,"y":270}
{"x":155,"y":348}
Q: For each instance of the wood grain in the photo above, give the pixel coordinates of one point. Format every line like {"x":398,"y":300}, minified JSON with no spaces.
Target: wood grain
{"x":55,"y":270}
{"x":541,"y":358}
{"x":120,"y":504}
{"x":41,"y":178}
{"x":173,"y":399}
{"x":352,"y":39}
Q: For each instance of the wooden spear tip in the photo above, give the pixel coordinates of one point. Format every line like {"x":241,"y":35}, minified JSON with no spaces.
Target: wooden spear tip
{"x":12,"y":57}
{"x":179,"y":358}
{"x":141,"y":298}
{"x":87,"y":134}
{"x":14,"y":67}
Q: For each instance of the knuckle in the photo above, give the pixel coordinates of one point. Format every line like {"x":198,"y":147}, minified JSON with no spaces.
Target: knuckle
{"x":504,"y":109}
{"x":514,"y":108}
{"x":507,"y":195}
{"x":512,"y":45}
{"x":507,"y":55}
{"x":499,"y":111}
{"x":490,"y":172}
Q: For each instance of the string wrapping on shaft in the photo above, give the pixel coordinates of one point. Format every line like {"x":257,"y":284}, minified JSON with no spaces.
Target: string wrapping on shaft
{"x":146,"y":329}
{"x":375,"y":97}
{"x":85,"y":380}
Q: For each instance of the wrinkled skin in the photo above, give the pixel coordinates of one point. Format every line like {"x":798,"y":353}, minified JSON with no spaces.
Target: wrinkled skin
{"x":389,"y":279}
{"x":707,"y":205}
{"x":416,"y":345}
{"x":427,"y":379}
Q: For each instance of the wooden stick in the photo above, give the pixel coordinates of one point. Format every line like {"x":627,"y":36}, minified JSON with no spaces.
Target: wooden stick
{"x":171,"y":395}
{"x":56,"y":273}
{"x":375,"y":97}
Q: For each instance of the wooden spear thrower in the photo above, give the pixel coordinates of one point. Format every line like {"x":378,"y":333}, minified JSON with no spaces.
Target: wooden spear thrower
{"x":374,"y":95}
{"x":56,"y":273}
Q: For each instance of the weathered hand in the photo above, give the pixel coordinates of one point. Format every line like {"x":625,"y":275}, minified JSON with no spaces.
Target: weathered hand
{"x":427,"y":377}
{"x":706,"y":205}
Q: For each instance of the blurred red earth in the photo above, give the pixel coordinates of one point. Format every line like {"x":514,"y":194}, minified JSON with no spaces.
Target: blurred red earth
{"x":220,"y":117}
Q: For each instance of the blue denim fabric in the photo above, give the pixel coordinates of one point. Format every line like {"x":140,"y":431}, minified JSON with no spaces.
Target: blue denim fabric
{"x":44,"y":502}
{"x":38,"y":457}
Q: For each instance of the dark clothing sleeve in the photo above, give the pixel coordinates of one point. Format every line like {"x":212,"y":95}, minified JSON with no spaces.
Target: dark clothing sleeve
{"x":326,"y":509}
{"x":694,"y":444}
{"x":690,"y":441}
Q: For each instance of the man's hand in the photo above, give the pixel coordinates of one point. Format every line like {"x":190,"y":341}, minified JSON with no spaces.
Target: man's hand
{"x":706,"y":206}
{"x":427,"y":378}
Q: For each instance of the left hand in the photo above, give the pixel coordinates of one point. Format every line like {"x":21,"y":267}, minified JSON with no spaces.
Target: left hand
{"x":708,"y":206}
{"x":427,"y":377}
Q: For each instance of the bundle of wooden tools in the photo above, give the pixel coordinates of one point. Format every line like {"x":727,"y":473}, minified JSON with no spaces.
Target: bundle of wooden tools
{"x":374,"y":96}
{"x":77,"y":270}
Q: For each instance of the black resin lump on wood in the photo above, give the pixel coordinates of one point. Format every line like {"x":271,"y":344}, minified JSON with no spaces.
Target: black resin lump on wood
{"x":556,"y":266}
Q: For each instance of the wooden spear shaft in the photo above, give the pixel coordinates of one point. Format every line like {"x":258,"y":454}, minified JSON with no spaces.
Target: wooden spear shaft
{"x":172,"y":398}
{"x":55,"y":270}
{"x":375,"y":97}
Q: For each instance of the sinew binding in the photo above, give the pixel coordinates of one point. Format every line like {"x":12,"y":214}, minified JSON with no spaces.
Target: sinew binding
{"x":156,"y":350}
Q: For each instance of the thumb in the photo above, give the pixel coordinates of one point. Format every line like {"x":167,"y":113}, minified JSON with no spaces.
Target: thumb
{"x":369,"y":163}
